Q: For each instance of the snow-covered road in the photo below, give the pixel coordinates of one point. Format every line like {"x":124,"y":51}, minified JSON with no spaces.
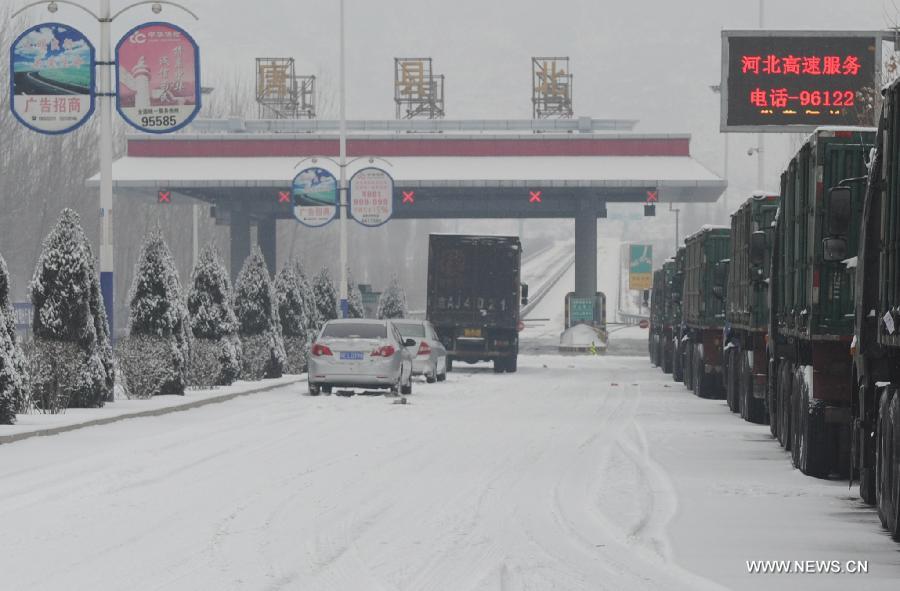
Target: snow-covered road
{"x":575,"y":473}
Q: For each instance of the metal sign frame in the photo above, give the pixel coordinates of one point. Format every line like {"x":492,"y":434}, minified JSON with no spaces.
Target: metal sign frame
{"x":12,"y":82}
{"x":879,"y":37}
{"x":197,"y":79}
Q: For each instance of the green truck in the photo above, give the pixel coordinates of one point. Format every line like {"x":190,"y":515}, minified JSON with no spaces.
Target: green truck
{"x":678,"y":330}
{"x":665,"y":315}
{"x":703,"y":309}
{"x":747,"y":309}
{"x":875,"y":402}
{"x":811,"y":298}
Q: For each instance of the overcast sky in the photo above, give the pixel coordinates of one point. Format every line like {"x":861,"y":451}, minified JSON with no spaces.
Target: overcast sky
{"x":651,"y":60}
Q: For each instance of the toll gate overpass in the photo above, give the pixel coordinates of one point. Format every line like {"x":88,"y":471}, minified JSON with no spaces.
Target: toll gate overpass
{"x":442,"y":170}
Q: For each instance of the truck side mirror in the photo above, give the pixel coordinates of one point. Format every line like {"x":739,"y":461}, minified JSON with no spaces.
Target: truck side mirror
{"x":719,"y":292}
{"x":758,"y":248}
{"x":646,"y":298}
{"x":524,"y":294}
{"x":835,"y":249}
{"x":840,"y":211}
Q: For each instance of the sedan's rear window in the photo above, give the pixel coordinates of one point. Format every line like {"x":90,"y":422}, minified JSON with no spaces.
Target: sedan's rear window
{"x":351,"y":330}
{"x":411,"y":330}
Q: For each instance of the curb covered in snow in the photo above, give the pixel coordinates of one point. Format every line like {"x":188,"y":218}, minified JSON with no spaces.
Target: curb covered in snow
{"x":182,"y":403}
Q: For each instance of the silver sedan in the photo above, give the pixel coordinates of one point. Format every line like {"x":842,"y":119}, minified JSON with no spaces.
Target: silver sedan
{"x":359,"y":353}
{"x":430,"y":355}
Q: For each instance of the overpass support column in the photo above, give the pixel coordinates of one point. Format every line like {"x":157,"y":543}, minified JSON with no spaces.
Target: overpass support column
{"x":240,"y":240}
{"x":586,"y":251}
{"x":266,"y":239}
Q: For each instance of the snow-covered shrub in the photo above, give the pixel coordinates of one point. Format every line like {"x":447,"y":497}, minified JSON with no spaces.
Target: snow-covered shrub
{"x":326,"y":296}
{"x":354,"y":298}
{"x":58,"y":374}
{"x":68,"y":308}
{"x":156,"y":354}
{"x":14,"y":396}
{"x":213,"y":323}
{"x":256,"y":307}
{"x":392,"y":303}
{"x":295,"y":308}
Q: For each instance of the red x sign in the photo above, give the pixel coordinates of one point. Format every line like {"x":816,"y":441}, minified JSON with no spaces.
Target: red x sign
{"x":409,"y":196}
{"x":652,"y":197}
{"x":535,"y":197}
{"x":284,"y":196}
{"x":164,"y":197}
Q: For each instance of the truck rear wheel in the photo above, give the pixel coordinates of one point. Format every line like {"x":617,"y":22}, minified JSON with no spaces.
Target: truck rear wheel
{"x":688,"y":361}
{"x":667,"y":356}
{"x":752,"y":409}
{"x":698,"y":374}
{"x":771,"y":397}
{"x":785,"y":382}
{"x":731,"y":381}
{"x":677,"y":361}
{"x":887,"y":458}
{"x":811,"y":450}
{"x":512,"y":364}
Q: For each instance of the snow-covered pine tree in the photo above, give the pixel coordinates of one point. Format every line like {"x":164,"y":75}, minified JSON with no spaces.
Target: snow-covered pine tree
{"x":13,"y":374}
{"x":392,"y":303}
{"x":216,"y":350}
{"x":325,"y":295}
{"x":256,"y":307}
{"x":354,"y":298}
{"x":73,"y":355}
{"x":294,"y":309}
{"x":13,"y":369}
{"x":314,"y":321}
{"x":155,"y":356}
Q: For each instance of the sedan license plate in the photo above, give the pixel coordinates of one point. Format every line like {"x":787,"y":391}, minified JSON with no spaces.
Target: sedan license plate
{"x":472,"y":332}
{"x":351,"y":355}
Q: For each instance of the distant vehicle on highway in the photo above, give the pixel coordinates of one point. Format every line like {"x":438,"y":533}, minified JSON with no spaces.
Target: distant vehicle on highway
{"x":361,"y":353}
{"x":430,"y":354}
{"x":473,"y":298}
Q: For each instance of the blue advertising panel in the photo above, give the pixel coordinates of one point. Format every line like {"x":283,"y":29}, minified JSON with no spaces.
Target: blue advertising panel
{"x":51,"y":78}
{"x":315,"y":196}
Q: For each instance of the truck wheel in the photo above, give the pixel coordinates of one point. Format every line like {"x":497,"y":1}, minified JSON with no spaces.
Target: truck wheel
{"x":813,"y":452}
{"x":677,"y":361}
{"x":731,"y":382}
{"x":887,"y":456}
{"x":499,"y":365}
{"x":688,"y":365}
{"x":697,"y":371}
{"x":512,"y":364}
{"x":771,"y":398}
{"x":785,"y":381}
{"x":752,"y":409}
{"x":667,"y":356}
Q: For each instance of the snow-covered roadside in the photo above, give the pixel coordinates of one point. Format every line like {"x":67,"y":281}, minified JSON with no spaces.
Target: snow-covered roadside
{"x":31,"y":425}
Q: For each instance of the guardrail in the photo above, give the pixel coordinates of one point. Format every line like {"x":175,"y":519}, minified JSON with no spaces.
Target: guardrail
{"x":545,"y":288}
{"x":632,"y":319}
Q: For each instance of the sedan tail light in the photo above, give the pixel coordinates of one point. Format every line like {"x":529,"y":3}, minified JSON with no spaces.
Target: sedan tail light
{"x":320,"y":350}
{"x":424,"y":349}
{"x":385,"y":351}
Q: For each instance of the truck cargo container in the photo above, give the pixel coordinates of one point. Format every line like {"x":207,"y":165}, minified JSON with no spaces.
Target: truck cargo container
{"x":473,"y":297}
{"x":811,"y":297}
{"x":703,"y":309}
{"x":875,"y":406}
{"x":747,"y":309}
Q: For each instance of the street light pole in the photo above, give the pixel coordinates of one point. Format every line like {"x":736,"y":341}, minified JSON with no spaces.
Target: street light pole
{"x":342,"y":163}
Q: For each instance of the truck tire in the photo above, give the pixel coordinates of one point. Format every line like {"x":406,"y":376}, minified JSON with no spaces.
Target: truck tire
{"x":772,"y":398}
{"x":512,"y":364}
{"x":499,"y":365}
{"x":753,"y":410}
{"x":667,"y":356}
{"x":697,"y":373}
{"x":677,"y":361}
{"x":731,"y":381}
{"x":812,"y":451}
{"x":688,"y":361}
{"x":785,"y":381}
{"x":887,"y":457}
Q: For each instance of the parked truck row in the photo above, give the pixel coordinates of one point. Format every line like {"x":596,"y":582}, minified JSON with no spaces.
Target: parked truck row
{"x":792,"y":314}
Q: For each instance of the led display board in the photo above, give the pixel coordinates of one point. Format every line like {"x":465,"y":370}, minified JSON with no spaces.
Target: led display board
{"x":796,"y":81}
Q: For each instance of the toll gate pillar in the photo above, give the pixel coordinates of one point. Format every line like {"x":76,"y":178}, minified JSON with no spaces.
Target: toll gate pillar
{"x":586,"y":251}
{"x":266,"y":239}
{"x":240,"y":240}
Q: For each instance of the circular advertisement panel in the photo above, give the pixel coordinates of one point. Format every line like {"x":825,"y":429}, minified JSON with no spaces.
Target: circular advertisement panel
{"x":314,"y":194}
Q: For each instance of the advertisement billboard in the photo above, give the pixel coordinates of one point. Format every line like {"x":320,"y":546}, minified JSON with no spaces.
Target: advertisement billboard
{"x":371,"y":197}
{"x":52,"y":78}
{"x":789,"y":81}
{"x":640,"y":266}
{"x":157,"y":77}
{"x":315,"y":196}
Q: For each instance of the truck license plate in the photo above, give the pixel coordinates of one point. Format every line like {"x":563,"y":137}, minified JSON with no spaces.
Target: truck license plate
{"x":472,"y":332}
{"x":351,"y":355}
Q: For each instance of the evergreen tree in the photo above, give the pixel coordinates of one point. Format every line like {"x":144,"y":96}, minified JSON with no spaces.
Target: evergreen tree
{"x":295,"y":306}
{"x":68,"y":308}
{"x":325,"y":296}
{"x":392,"y":303}
{"x":354,"y":298}
{"x":13,"y":372}
{"x":256,"y":306}
{"x":155,"y":357}
{"x":314,"y":321}
{"x":213,"y":323}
